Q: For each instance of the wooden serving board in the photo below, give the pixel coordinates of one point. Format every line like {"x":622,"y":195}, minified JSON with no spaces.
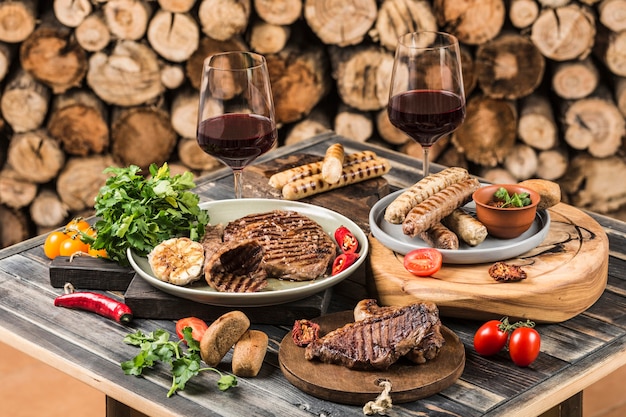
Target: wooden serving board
{"x":340,"y":384}
{"x":567,"y":273}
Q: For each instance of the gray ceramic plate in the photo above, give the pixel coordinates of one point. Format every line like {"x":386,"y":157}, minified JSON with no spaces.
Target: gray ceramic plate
{"x":278,"y":291}
{"x":491,"y":250}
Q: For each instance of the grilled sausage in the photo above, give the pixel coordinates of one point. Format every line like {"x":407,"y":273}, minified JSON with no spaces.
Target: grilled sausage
{"x":332,"y":166}
{"x":466,"y":227}
{"x":421,"y":190}
{"x":439,"y":205}
{"x":440,"y":237}
{"x":351,"y":174}
{"x":280,"y":179}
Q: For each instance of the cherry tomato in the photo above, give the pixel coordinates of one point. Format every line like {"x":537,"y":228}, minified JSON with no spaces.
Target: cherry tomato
{"x":75,"y":226}
{"x":53,"y":243}
{"x":343,"y":261}
{"x":71,"y":246}
{"x":198,"y":327}
{"x":423,"y":262}
{"x":346,"y":240}
{"x":491,"y":337}
{"x":524,"y":346}
{"x":96,"y":253}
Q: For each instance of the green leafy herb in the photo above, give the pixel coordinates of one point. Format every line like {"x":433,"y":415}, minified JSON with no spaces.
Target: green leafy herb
{"x":140,"y":212}
{"x":157,"y":347}
{"x":515,"y":200}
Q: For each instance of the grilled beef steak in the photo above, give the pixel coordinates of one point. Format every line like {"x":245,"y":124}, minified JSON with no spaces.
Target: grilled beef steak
{"x":378,"y":341}
{"x":295,"y":247}
{"x":428,"y":348}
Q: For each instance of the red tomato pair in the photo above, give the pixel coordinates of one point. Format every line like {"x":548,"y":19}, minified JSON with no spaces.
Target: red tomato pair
{"x":524,"y":341}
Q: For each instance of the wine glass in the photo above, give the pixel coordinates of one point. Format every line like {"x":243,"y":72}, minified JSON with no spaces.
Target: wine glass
{"x":426,"y":96}
{"x":236,"y":122}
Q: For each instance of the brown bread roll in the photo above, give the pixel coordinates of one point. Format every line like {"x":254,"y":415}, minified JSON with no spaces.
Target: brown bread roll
{"x":549,"y":191}
{"x":221,"y":335}
{"x":249,"y":353}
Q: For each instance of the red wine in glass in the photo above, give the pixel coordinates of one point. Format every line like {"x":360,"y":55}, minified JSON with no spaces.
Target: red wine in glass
{"x":236,"y":138}
{"x":426,"y":115}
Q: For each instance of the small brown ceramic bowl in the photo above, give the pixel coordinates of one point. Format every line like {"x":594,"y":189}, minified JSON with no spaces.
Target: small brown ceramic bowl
{"x":505,"y":222}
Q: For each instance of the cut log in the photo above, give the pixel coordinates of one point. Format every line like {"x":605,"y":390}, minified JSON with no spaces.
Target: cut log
{"x":315,"y":123}
{"x":176,"y":6}
{"x":451,"y":157}
{"x":620,"y":94}
{"x":474,"y":22}
{"x":93,"y":34}
{"x":71,"y":12}
{"x":6,"y":57}
{"x":18,"y":20}
{"x":363,"y":74}
{"x":174,"y":36}
{"x":24,"y":103}
{"x":536,"y":126}
{"x":552,"y":163}
{"x":415,"y":150}
{"x":224,"y":19}
{"x":15,"y":192}
{"x":489,"y":131}
{"x":575,"y":79}
{"x":594,"y":124}
{"x":497,"y":175}
{"x":353,"y":124}
{"x":610,"y":47}
{"x":54,"y":57}
{"x":299,"y":78}
{"x":206,"y":48}
{"x":564,"y":33}
{"x":396,"y":17}
{"x":553,"y":3}
{"x":509,"y":67}
{"x":521,"y":162}
{"x":79,"y":120}
{"x":612,"y":14}
{"x":595,"y":184}
{"x":268,"y":38}
{"x":80,"y":181}
{"x":35,"y":156}
{"x":47,"y":210}
{"x":193,"y":157}
{"x":172,"y":76}
{"x":141,"y":136}
{"x":523,"y":13}
{"x":129,"y":76}
{"x":184,"y":113}
{"x":468,"y":68}
{"x":340,"y":23}
{"x":278,"y":12}
{"x":14,"y":226}
{"x":127,"y":19}
{"x":387,"y":131}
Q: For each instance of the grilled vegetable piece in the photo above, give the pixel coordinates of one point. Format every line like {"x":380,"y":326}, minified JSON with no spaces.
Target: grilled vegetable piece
{"x":178,"y":261}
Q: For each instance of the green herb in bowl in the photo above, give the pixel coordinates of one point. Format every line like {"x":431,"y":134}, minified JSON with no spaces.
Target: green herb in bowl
{"x":504,"y":199}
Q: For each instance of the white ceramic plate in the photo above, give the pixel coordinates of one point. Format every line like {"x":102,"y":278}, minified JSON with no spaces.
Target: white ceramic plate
{"x":277,"y":291}
{"x":490,"y":250}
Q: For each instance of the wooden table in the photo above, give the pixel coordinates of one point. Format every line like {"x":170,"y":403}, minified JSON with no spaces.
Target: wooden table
{"x":575,"y":353}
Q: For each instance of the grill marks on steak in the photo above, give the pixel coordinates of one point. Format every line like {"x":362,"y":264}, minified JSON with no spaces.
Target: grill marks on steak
{"x":378,"y":341}
{"x":295,"y":247}
{"x":278,"y":244}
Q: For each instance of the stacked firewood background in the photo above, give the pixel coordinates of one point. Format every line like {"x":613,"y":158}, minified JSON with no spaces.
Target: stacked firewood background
{"x":86,"y":84}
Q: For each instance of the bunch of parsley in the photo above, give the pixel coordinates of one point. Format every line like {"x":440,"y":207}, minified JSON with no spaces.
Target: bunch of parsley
{"x":139,"y":213}
{"x":157,"y":347}
{"x":515,"y":200}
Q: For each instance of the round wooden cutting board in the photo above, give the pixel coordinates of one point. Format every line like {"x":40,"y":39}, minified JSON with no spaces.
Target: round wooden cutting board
{"x":340,"y":384}
{"x":566,"y":274}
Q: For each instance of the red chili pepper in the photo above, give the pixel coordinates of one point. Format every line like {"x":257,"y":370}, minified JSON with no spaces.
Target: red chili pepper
{"x":346,"y":240}
{"x":96,"y":303}
{"x":343,"y":261}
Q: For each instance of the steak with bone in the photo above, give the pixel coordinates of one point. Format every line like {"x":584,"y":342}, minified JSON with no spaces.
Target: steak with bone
{"x":294,"y":246}
{"x":378,"y":341}
{"x":428,"y":348}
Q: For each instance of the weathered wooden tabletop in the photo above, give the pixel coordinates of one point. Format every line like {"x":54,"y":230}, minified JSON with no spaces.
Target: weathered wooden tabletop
{"x":574,"y":353}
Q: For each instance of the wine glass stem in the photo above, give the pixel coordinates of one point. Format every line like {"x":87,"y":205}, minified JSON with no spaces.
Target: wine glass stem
{"x":238,"y":175}
{"x":426,"y":162}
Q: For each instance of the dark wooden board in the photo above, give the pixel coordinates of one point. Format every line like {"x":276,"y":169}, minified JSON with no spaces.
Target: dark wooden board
{"x":340,"y":384}
{"x":147,"y":301}
{"x":85,"y":272}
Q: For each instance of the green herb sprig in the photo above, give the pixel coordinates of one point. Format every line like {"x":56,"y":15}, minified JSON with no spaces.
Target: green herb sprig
{"x":140,"y":212}
{"x":157,"y":347}
{"x":515,"y":200}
